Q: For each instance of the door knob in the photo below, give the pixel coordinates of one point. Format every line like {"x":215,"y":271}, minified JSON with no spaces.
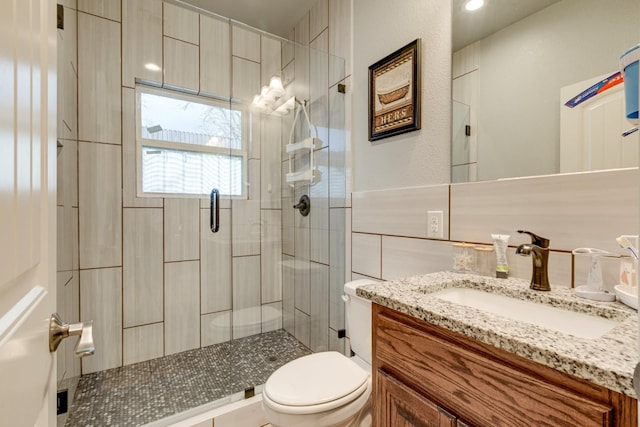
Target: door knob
{"x":58,"y":330}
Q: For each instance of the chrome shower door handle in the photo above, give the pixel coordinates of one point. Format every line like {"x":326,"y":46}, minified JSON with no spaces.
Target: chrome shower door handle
{"x":58,"y":330}
{"x":214,"y":210}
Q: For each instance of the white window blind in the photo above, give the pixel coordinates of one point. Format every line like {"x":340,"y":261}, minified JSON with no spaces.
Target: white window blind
{"x":189,"y":145}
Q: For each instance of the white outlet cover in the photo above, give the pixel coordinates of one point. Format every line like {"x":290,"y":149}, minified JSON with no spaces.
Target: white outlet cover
{"x":435,"y":224}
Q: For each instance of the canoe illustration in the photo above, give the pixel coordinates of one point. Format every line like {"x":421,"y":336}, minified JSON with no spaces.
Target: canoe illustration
{"x":394,"y":93}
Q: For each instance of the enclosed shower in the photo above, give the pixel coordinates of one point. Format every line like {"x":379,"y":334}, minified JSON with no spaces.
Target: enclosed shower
{"x":185,"y":140}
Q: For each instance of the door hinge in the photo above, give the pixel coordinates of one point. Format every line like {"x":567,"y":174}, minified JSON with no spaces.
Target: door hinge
{"x":60,"y":17}
{"x":62,"y":402}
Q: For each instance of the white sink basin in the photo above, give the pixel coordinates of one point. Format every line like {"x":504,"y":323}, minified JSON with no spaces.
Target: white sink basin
{"x":557,"y":319}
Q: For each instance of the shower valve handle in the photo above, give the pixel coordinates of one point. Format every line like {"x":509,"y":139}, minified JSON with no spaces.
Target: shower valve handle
{"x":303,"y":205}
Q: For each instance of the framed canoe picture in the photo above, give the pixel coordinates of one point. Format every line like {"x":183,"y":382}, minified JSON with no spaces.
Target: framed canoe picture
{"x":394,"y":93}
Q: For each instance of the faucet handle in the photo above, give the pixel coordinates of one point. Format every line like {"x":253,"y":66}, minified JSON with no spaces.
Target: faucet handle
{"x":536,"y":240}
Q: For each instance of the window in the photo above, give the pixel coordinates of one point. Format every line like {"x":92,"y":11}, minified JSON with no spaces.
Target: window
{"x":188,"y":145}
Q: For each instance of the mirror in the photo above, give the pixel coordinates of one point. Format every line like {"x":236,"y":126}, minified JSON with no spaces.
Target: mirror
{"x":515,"y":62}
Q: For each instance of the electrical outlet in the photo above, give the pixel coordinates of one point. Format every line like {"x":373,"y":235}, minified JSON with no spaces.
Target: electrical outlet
{"x":434,"y":224}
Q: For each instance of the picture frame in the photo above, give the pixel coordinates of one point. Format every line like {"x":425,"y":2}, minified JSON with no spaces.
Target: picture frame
{"x":394,"y":93}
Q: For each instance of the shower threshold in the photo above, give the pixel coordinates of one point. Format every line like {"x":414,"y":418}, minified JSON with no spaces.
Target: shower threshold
{"x":148,"y":391}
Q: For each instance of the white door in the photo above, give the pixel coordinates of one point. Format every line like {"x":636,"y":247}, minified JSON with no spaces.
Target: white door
{"x":27,"y":211}
{"x":591,"y":133}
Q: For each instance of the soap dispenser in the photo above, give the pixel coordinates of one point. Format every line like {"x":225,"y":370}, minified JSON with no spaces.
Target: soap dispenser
{"x":594,"y":288}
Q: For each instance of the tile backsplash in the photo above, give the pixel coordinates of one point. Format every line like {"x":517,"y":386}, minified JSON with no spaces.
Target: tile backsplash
{"x":573,"y":210}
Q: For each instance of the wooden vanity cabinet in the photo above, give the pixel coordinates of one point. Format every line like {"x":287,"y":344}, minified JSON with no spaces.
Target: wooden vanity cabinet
{"x":425,"y":375}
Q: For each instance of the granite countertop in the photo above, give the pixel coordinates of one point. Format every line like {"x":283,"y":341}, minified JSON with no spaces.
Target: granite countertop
{"x":608,"y":361}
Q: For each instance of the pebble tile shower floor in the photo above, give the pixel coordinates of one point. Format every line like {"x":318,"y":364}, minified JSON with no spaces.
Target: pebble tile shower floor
{"x":137,"y":394}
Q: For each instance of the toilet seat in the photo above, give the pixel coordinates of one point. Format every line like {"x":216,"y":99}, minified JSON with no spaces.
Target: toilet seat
{"x":315,"y":383}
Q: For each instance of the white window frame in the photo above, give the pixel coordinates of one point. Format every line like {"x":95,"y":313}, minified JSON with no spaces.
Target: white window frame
{"x":155,"y":143}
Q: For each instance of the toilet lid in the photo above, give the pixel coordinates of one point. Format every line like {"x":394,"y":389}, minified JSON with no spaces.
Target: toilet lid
{"x":315,"y":379}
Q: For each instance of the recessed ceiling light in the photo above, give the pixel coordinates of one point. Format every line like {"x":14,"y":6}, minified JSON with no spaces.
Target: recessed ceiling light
{"x":474,"y":4}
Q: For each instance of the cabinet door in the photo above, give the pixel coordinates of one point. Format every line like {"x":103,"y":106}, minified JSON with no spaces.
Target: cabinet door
{"x":401,"y":406}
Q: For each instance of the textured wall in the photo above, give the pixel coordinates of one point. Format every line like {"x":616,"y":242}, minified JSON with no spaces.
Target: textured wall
{"x":417,"y":158}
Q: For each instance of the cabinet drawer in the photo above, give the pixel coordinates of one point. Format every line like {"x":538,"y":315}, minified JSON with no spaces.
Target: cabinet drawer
{"x":478,"y":387}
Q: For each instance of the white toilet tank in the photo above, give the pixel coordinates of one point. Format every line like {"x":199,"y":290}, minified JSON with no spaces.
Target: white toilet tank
{"x":358,"y":319}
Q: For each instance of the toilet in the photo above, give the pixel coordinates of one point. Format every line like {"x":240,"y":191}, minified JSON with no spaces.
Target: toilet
{"x":327,"y":388}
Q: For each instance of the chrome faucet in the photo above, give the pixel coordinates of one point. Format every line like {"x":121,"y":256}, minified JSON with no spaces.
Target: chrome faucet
{"x":538,"y":249}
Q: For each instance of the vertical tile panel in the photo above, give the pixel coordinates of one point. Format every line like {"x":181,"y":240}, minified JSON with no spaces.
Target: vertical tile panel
{"x":129,"y":166}
{"x":338,"y":146}
{"x":68,"y":300}
{"x":301,"y":83}
{"x":287,"y":49}
{"x":63,"y":241}
{"x":272,"y":316}
{"x":335,"y":343}
{"x":366,"y":252}
{"x":256,"y":137}
{"x":181,"y":65}
{"x":68,"y":77}
{"x":98,"y":79}
{"x":142,"y":343}
{"x":270,"y":62}
{"x":181,"y":229}
{"x":70,"y":172}
{"x":142,"y":267}
{"x":215,"y":328}
{"x":348,"y":247}
{"x":288,"y":214}
{"x":215,"y":56}
{"x":180,"y":23}
{"x":302,"y":225}
{"x":246,"y":79}
{"x":271,"y":165}
{"x":318,"y":18}
{"x":72,"y":297}
{"x":141,"y":41}
{"x":75,"y":256}
{"x":101,"y":301}
{"x":319,"y":215}
{"x":302,"y":327}
{"x":246,"y":215}
{"x":246,"y":296}
{"x":215,"y":263}
{"x":100,"y":204}
{"x":246,"y":227}
{"x":288,"y":299}
{"x":73,"y":4}
{"x":181,"y":308}
{"x":319,"y":315}
{"x":340,"y":39}
{"x":271,"y":250}
{"x":336,"y":267}
{"x":302,"y":285}
{"x":105,"y":8}
{"x":318,"y":87}
{"x":246,"y":43}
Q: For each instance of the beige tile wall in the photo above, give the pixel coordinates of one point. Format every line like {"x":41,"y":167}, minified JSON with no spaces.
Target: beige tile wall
{"x":68,"y":277}
{"x":170,"y":283}
{"x":573,"y":210}
{"x":314,"y":247}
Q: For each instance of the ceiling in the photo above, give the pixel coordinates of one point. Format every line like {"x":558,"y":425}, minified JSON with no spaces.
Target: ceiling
{"x":280,"y":16}
{"x":469,"y":27}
